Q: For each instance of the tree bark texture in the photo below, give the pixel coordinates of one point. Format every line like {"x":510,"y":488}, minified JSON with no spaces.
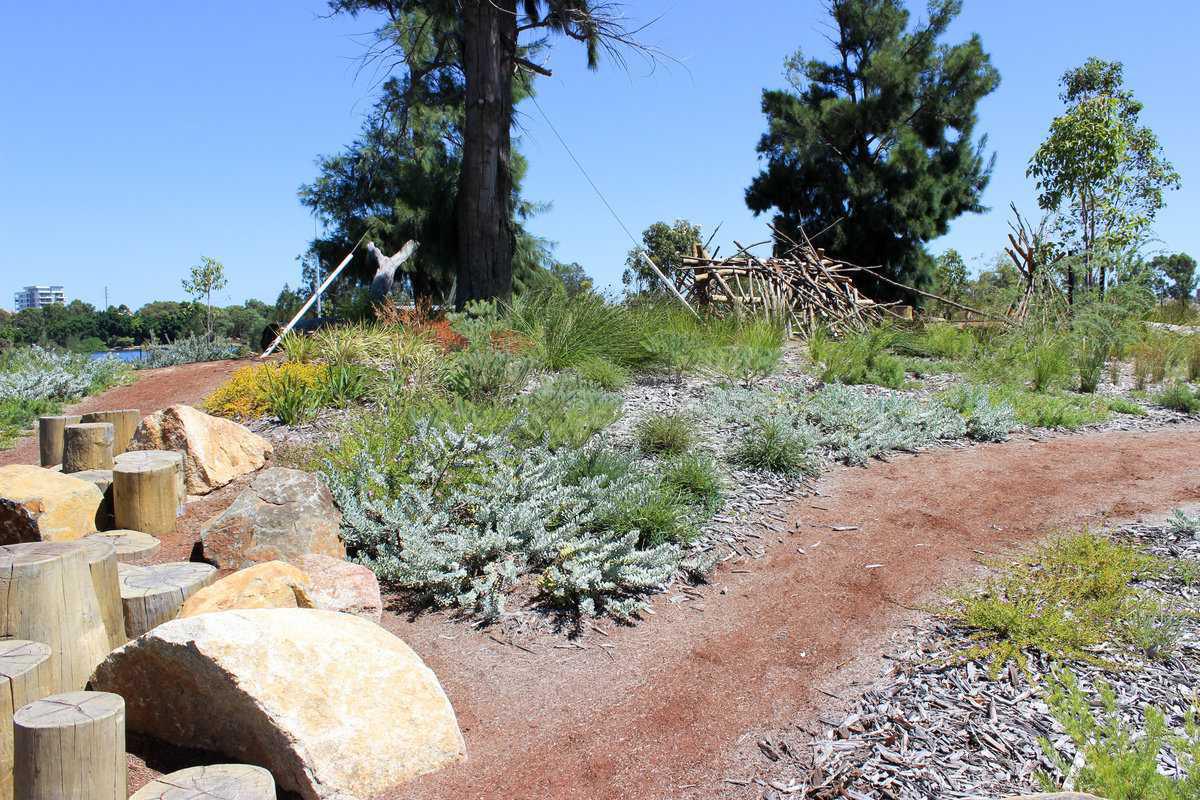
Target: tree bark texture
{"x":484,"y":206}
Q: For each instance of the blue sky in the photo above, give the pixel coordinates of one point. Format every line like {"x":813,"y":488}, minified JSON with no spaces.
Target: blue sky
{"x":139,"y":136}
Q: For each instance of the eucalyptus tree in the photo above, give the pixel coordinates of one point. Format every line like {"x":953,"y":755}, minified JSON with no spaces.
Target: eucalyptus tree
{"x":1101,"y":171}
{"x":875,"y":150}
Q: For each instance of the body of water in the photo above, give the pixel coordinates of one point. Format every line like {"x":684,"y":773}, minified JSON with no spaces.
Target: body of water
{"x":128,"y":356}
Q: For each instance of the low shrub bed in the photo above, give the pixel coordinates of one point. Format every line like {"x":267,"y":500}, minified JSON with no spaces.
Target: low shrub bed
{"x":35,"y":381}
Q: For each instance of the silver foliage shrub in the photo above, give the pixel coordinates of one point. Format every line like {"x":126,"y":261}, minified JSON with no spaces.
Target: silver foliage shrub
{"x":36,"y":373}
{"x":1182,"y":524}
{"x":464,"y":543}
{"x":188,"y":351}
{"x":988,"y":420}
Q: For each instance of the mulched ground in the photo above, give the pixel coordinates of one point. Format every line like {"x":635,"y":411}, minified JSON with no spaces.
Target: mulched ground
{"x":151,"y":390}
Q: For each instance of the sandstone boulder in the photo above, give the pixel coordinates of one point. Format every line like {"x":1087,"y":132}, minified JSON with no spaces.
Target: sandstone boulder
{"x":333,"y":705}
{"x":102,"y":479}
{"x":282,"y":515}
{"x":215,"y":450}
{"x":272,"y":584}
{"x":40,"y":505}
{"x":338,"y":585}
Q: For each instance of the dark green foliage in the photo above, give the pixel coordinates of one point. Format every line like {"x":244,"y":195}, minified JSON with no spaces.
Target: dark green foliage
{"x":18,"y":416}
{"x":696,"y":477}
{"x":1176,"y":276}
{"x":666,"y":434}
{"x":290,"y":399}
{"x":1179,"y":397}
{"x":771,"y":445}
{"x":859,"y":357}
{"x":346,"y":384}
{"x":877,"y":147}
{"x":659,"y":516}
{"x":666,"y":245}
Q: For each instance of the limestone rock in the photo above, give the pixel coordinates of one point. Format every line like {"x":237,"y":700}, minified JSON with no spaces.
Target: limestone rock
{"x":282,"y":515}
{"x":333,"y":705}
{"x":338,"y":585}
{"x":272,"y":584}
{"x":215,"y":450}
{"x":40,"y":505}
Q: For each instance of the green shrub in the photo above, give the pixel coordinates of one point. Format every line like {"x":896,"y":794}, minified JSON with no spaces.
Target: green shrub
{"x":291,"y":399}
{"x":1182,"y":524}
{"x":1117,"y":762}
{"x":856,"y":426}
{"x":297,"y":348}
{"x":603,"y":373}
{"x":188,"y":351}
{"x":18,"y":416}
{"x":695,"y":476}
{"x":1050,"y":362}
{"x":665,"y":434}
{"x":857,"y":358}
{"x":754,"y":353}
{"x":1192,"y":358}
{"x":771,"y":445}
{"x":346,"y":384}
{"x":988,"y":419}
{"x":938,"y":341}
{"x":1121,"y":405}
{"x":1053,"y":410}
{"x":568,"y":330}
{"x":1179,"y":397}
{"x":486,"y":374}
{"x":567,"y":411}
{"x":657,"y":516}
{"x":1152,"y":358}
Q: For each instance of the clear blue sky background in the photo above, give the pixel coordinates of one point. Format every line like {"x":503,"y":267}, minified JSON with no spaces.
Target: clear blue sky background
{"x":137,"y":136}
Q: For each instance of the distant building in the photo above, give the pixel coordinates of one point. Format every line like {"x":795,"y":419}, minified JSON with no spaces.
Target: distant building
{"x":38,"y":296}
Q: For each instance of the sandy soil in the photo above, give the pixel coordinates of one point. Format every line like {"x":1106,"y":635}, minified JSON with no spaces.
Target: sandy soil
{"x":151,"y":390}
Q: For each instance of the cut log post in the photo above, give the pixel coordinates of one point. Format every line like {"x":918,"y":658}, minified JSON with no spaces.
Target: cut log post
{"x":102,"y":562}
{"x":72,"y":746}
{"x":46,"y":596}
{"x":50,"y":438}
{"x":146,"y":490}
{"x":152,"y":595}
{"x":24,"y":677}
{"x":133,"y":547}
{"x":214,"y":782}
{"x":87,"y":445}
{"x":124,"y":423}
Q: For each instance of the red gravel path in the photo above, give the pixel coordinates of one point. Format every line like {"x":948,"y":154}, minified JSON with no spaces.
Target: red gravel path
{"x":151,"y":390}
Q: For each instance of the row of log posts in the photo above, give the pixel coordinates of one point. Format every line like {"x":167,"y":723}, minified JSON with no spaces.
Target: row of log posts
{"x":87,"y":445}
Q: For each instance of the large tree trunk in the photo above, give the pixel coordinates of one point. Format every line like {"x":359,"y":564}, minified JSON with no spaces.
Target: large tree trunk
{"x":484,"y":206}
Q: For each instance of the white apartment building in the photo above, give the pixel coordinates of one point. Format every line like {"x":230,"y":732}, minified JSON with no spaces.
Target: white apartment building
{"x":38,"y":296}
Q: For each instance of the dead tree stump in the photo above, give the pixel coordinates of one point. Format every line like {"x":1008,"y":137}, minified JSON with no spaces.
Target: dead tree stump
{"x":146,"y":490}
{"x":46,"y":596}
{"x":72,"y":746}
{"x":214,"y":782}
{"x":102,"y":562}
{"x":153,"y":594}
{"x":124,"y":423}
{"x":133,"y":547}
{"x":50,"y":438}
{"x":24,"y":677}
{"x":87,"y":445}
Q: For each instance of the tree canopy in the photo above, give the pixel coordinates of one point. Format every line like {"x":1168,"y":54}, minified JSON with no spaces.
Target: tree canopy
{"x":1176,"y":273}
{"x":873,"y":153}
{"x":666,"y":245}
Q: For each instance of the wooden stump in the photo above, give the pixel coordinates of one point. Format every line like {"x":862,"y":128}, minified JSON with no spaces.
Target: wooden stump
{"x":50,"y":438}
{"x":146,"y":490}
{"x":214,"y":782}
{"x":152,"y":595}
{"x":71,"y":746}
{"x":46,"y":596}
{"x":87,"y":445}
{"x":124,"y":424}
{"x":133,"y":547}
{"x":102,"y":561}
{"x":24,"y":677}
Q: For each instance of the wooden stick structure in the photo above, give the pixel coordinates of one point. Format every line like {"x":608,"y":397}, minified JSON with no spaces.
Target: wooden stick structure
{"x":71,"y":745}
{"x":146,"y":490}
{"x":102,"y":563}
{"x":153,"y":594}
{"x":124,"y":422}
{"x":132,"y":547}
{"x":24,"y":677}
{"x":213,"y":782}
{"x":50,"y":438}
{"x":88,"y":445}
{"x":47,"y":595}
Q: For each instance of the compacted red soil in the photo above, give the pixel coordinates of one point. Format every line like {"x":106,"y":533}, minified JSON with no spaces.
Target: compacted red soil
{"x":151,"y":390}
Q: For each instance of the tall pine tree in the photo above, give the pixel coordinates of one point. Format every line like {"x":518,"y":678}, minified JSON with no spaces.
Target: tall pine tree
{"x":874,"y":149}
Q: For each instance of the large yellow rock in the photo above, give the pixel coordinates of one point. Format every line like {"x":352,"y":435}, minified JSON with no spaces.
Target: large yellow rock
{"x":40,"y":505}
{"x":215,"y":450}
{"x":332,"y":704}
{"x":273,"y":584}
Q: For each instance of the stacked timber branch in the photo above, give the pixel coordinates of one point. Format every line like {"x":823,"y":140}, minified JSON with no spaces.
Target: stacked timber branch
{"x":804,"y":289}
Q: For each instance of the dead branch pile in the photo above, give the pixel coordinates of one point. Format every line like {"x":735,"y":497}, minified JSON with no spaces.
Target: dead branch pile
{"x":804,"y":289}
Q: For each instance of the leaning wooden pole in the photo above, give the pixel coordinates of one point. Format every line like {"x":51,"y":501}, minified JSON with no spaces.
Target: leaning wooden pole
{"x":71,"y":746}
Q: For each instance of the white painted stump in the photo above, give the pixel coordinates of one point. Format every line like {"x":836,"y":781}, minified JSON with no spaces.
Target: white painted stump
{"x":133,"y":547}
{"x":214,"y":782}
{"x":124,"y":422}
{"x":147,"y":486}
{"x":46,"y":595}
{"x":50,"y":438}
{"x":153,"y":594}
{"x":102,"y":562}
{"x":71,"y":746}
{"x":87,"y":445}
{"x":24,"y":677}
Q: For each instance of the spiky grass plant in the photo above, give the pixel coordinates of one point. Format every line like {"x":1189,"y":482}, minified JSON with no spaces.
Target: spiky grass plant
{"x":297,"y":348}
{"x":1179,"y":397}
{"x":696,"y":477}
{"x":860,"y":357}
{"x":665,"y":434}
{"x":486,"y":374}
{"x":771,"y":445}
